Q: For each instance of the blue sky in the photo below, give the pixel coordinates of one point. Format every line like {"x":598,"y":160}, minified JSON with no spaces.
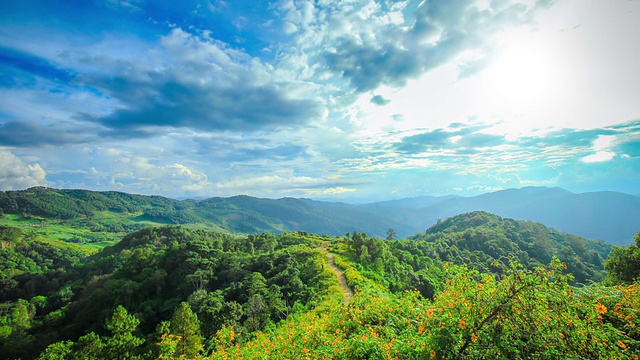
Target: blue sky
{"x":356,"y":100}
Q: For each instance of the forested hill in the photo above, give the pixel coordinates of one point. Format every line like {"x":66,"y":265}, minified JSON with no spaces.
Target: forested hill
{"x":171,"y":291}
{"x":481,"y":238}
{"x":112,"y":211}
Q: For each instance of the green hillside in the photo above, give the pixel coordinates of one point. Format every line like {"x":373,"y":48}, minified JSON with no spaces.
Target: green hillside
{"x":97,"y":219}
{"x":482,"y":238}
{"x":472,"y":286}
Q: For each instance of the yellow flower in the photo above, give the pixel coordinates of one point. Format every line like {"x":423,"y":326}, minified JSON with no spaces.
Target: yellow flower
{"x":474,"y":338}
{"x":601,"y":308}
{"x":432,"y":353}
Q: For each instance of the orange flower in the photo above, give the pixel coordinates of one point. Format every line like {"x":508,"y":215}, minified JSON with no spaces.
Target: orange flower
{"x":601,"y":309}
{"x":561,"y":336}
{"x":432,"y":353}
{"x":621,"y":344}
{"x":462,"y":324}
{"x":474,"y":338}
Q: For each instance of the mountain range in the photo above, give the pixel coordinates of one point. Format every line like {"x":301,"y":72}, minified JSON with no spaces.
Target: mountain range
{"x":610,"y":216}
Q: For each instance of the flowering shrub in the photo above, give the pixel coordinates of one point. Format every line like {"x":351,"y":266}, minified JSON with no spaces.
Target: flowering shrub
{"x":520,"y":314}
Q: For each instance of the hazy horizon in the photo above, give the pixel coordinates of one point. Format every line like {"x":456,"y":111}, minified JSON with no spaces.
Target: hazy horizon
{"x":351,"y":201}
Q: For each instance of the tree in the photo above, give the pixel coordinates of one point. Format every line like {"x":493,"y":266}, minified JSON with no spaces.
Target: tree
{"x":57,"y":351}
{"x":123,"y":344}
{"x":186,"y":327}
{"x":623,"y":264}
{"x":391,"y":234}
{"x":89,"y":346}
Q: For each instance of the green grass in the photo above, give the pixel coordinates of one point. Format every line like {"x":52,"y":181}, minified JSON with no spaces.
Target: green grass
{"x":78,"y":231}
{"x":58,"y":230}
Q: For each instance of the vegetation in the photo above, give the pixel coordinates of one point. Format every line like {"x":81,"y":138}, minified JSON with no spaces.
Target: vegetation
{"x":623,"y":265}
{"x":472,"y":286}
{"x":96,"y":219}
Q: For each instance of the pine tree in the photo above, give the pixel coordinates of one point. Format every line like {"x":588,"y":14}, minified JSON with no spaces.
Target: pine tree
{"x":123,"y":344}
{"x":186,"y":327}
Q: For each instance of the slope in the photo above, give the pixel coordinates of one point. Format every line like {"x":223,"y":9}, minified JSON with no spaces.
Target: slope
{"x":609,"y":216}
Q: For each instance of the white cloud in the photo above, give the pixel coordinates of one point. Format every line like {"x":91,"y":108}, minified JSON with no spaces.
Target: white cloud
{"x":600,"y":156}
{"x":601,"y":148}
{"x":284,"y":183}
{"x":15,"y":174}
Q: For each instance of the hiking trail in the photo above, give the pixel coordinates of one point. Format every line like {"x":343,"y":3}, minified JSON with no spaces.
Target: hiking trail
{"x":340,"y":274}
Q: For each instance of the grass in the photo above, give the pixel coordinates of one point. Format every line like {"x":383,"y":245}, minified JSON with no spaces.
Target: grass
{"x":59,"y":230}
{"x":78,"y":231}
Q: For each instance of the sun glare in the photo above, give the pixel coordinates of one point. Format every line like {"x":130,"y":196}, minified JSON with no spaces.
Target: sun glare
{"x":523,"y":75}
{"x":519,"y":74}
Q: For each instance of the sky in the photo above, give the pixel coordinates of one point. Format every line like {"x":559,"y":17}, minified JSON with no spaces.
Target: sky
{"x":350,"y":100}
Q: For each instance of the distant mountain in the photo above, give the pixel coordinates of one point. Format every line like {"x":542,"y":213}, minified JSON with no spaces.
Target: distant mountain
{"x":248,"y":214}
{"x":609,"y":216}
{"x":237,"y":214}
{"x":409,"y":203}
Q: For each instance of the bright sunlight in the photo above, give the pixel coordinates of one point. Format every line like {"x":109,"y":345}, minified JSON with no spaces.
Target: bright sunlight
{"x":524,"y":74}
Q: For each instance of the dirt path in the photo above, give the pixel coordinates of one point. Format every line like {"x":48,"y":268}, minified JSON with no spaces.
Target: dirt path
{"x":343,"y":280}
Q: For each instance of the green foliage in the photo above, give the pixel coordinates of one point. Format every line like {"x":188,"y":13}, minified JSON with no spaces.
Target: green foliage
{"x":186,"y":328}
{"x":480,"y":238}
{"x":471,"y":287}
{"x":123,"y":343}
{"x":250,"y":283}
{"x":520,"y":314}
{"x":623,"y":264}
{"x":90,"y":217}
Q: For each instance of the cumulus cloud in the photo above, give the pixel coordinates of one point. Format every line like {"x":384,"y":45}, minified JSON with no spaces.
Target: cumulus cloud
{"x":15,"y":174}
{"x":201,"y":84}
{"x":125,"y":170}
{"x":390,"y":53}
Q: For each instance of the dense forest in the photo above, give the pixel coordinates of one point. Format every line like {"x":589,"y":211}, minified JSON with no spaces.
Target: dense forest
{"x":103,"y":218}
{"x":472,"y":286}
